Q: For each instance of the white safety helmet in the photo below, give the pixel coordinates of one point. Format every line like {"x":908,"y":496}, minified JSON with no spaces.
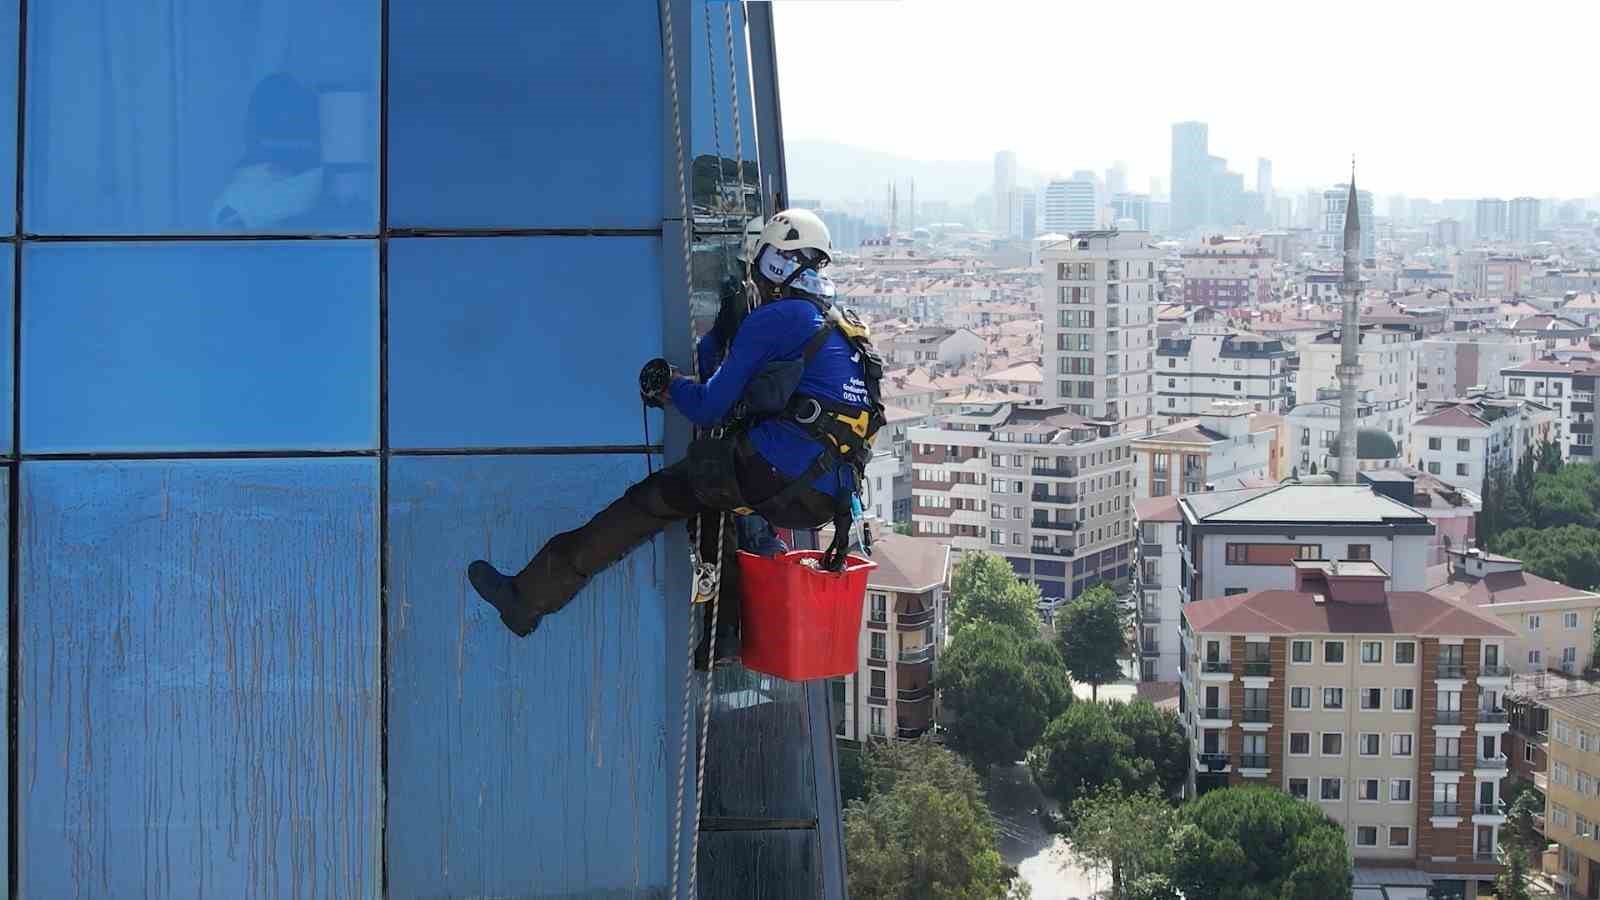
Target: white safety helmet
{"x":793,"y":247}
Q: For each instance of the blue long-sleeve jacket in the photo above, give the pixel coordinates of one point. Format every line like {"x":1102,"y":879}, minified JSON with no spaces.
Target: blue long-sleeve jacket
{"x":778,"y":331}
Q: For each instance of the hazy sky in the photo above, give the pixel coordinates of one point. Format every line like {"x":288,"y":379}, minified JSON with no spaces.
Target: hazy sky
{"x":1436,"y":99}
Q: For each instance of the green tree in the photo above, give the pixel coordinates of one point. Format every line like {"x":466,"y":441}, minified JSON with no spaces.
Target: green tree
{"x":1093,"y":633}
{"x":1569,"y":554}
{"x":998,"y":690}
{"x":1520,"y":835}
{"x":1512,"y":882}
{"x":1138,"y":858}
{"x":983,"y":588}
{"x":852,"y":773}
{"x":922,"y":829}
{"x":1128,"y":747}
{"x":1548,"y":457}
{"x":1567,"y":497}
{"x":1257,"y":843}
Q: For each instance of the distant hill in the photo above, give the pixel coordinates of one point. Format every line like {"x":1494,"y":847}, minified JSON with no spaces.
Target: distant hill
{"x":833,"y":172}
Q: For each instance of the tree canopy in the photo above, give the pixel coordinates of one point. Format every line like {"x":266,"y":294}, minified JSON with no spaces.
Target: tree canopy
{"x":1129,"y":836}
{"x":922,"y":830}
{"x":983,"y":588}
{"x":1126,"y":747}
{"x":999,"y":689}
{"x":1093,"y":635}
{"x":1569,"y":554}
{"x":1258,"y":843}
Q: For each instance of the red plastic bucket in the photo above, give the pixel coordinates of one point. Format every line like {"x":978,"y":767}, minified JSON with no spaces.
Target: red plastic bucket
{"x":799,"y":622}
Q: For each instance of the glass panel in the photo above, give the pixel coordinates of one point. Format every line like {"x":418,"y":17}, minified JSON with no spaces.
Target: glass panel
{"x":7,"y":309}
{"x":159,"y":117}
{"x":523,"y":765}
{"x":766,"y":770}
{"x":255,"y":345}
{"x":499,"y":116}
{"x":521,"y":341}
{"x":9,"y":21}
{"x":200,"y":675}
{"x":719,"y":202}
{"x":759,"y":865}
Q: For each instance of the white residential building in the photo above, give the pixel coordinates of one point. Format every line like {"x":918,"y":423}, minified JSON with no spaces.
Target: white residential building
{"x":1220,"y":449}
{"x":1451,"y":364}
{"x":1156,"y":581}
{"x":1099,"y":327}
{"x":1568,"y":388}
{"x":1212,"y":362}
{"x":1461,"y":443}
{"x":934,"y":345}
{"x":1388,"y":373}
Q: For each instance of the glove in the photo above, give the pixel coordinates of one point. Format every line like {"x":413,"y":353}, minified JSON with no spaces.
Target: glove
{"x":654,"y":379}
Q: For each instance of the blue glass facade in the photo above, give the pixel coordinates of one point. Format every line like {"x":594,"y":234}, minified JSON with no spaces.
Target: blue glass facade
{"x":305,"y":306}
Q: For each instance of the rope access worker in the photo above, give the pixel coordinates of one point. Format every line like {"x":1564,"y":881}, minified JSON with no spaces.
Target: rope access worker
{"x":800,"y":384}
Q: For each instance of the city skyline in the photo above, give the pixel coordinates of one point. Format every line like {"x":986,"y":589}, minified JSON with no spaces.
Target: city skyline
{"x":989,"y":102}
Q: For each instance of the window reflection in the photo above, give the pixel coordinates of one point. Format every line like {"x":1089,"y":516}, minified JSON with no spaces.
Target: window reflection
{"x":722,"y":199}
{"x":231,"y":116}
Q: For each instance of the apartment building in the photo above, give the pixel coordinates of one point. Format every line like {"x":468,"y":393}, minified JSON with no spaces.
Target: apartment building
{"x":1099,"y":342}
{"x":1157,"y":615}
{"x":891,"y":693}
{"x":1247,"y":540}
{"x":1313,"y":429}
{"x":1449,"y":365}
{"x":1553,"y":623}
{"x":1218,"y":450}
{"x":1567,"y":386}
{"x":1572,"y":789}
{"x":1381,"y":706}
{"x":1388,"y":386}
{"x":1048,"y":489}
{"x":1225,"y":273}
{"x":1461,"y":443}
{"x":1210,"y":363}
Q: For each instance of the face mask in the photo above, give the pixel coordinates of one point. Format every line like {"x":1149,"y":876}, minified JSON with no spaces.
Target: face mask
{"x":776,"y":267}
{"x":259,"y":198}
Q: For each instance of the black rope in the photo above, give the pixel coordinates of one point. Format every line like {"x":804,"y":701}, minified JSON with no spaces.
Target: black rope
{"x":644,"y":416}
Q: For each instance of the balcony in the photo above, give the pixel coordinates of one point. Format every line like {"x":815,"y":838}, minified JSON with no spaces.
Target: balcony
{"x":1451,"y":670}
{"x":1445,"y":808}
{"x":913,"y":695}
{"x":1541,"y":780}
{"x":914,"y":620}
{"x":1053,"y":525}
{"x":1150,"y":612}
{"x":911,"y":734}
{"x":1257,"y":714}
{"x":1496,"y":808}
{"x":1493,"y":716}
{"x":1447,"y":763}
{"x":1447,"y":717}
{"x":1494,"y":672}
{"x":1257,"y":668}
{"x":1067,"y":471}
{"x":1495,"y":762}
{"x":1253,"y":761}
{"x":1214,"y":762}
{"x":1150,"y":579}
{"x":1486,"y":857}
{"x":1216,"y":667}
{"x":1150,"y":648}
{"x":919,"y":655}
{"x":1053,"y":551}
{"x":878,"y":697}
{"x":1065,"y":498}
{"x":1214,"y":713}
{"x":878,"y":654}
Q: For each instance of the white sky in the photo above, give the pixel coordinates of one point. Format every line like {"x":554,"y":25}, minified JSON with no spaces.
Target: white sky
{"x":1436,"y":99}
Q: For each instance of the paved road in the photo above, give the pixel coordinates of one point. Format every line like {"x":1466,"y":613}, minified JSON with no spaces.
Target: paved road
{"x":1038,"y":856}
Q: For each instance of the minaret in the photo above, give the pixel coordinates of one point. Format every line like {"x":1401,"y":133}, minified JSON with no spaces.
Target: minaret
{"x":1349,"y":370}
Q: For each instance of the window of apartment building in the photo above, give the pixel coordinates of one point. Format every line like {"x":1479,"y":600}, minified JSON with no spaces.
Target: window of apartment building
{"x":1463,"y":445}
{"x":1527,"y":751}
{"x":1569,"y":620}
{"x":1300,"y":788}
{"x":1447,"y":748}
{"x":1583,"y":828}
{"x":1300,"y":698}
{"x":879,"y":645}
{"x":1016,"y":512}
{"x":880,"y":607}
{"x":1270,"y":554}
{"x":1371,"y":698}
{"x":1399,"y":836}
{"x":1534,"y":621}
{"x":1358,"y":552}
{"x":1563,"y":732}
{"x":997,"y":511}
{"x":1559,"y":816}
{"x":1368,"y":790}
{"x":996,"y":536}
{"x":1016,"y":539}
{"x":1404,"y":699}
{"x":1333,"y":652}
{"x":1299,"y":743}
{"x":1400,"y":790}
{"x":1516,"y":387}
{"x":1584,"y":741}
{"x":1433,"y":468}
{"x":1333,"y":698}
{"x":1584,"y":783}
{"x":1300,"y":652}
{"x":1369,"y":745}
{"x":1461,"y":468}
{"x":1371,"y":652}
{"x":1366,"y":835}
{"x":1333,"y":743}
{"x":1560,"y":774}
{"x":1331,"y":789}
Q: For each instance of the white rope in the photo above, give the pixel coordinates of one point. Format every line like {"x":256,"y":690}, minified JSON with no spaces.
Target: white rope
{"x":733,"y":98}
{"x":716,"y":117}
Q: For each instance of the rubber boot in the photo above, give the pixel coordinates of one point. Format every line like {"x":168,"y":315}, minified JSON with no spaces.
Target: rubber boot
{"x":563,"y":565}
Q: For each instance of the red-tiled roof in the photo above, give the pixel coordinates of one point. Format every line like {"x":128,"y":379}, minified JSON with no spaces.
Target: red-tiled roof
{"x":908,"y":563}
{"x":1157,"y":509}
{"x":1295,"y":612}
{"x":1504,"y":587}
